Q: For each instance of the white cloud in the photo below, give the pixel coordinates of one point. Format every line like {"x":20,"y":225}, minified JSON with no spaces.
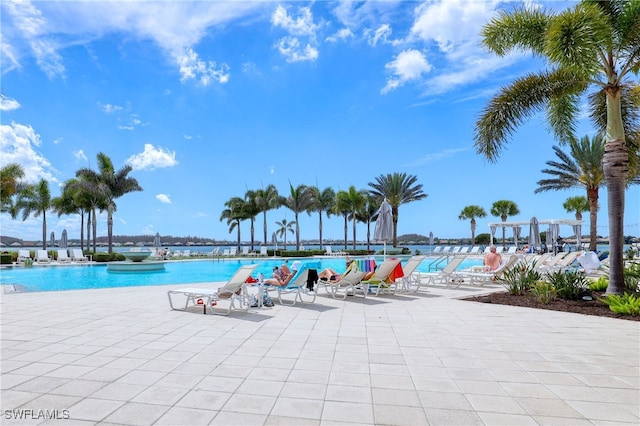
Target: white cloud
{"x":176,"y":27}
{"x":407,"y":66}
{"x":7,"y":103}
{"x":341,"y":34}
{"x":17,"y":145}
{"x":56,"y":141}
{"x":251,"y":68}
{"x":382,"y":33}
{"x":109,"y":109}
{"x":272,"y":169}
{"x":303,"y":26}
{"x":163,"y":198}
{"x":80,"y":155}
{"x":188,"y":137}
{"x":446,"y":153}
{"x":292,"y":50}
{"x":152,"y":158}
{"x":192,"y":67}
{"x":31,"y":24}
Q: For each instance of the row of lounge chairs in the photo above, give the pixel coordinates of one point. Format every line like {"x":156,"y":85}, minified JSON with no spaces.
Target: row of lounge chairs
{"x":62,"y":256}
{"x":305,"y":289}
{"x":475,"y":250}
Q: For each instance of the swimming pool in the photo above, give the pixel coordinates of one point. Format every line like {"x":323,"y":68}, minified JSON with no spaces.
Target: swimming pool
{"x":76,"y":277}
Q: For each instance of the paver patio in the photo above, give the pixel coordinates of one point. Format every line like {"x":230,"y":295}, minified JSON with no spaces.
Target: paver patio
{"x":121,"y":356}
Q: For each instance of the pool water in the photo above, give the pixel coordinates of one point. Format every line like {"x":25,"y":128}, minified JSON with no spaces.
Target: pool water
{"x":72,"y":277}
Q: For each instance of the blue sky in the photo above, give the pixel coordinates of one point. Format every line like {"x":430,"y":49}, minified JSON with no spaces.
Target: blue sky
{"x":206,"y":100}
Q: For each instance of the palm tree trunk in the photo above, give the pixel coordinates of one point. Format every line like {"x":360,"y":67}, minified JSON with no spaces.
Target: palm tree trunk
{"x":95,"y":229}
{"x":264,"y":226}
{"x":252,"y":232}
{"x":394,"y":215}
{"x":615,"y":164}
{"x":592,"y":195}
{"x":346,"y":231}
{"x":473,"y":231}
{"x":297,"y":234}
{"x":238,"y":236}
{"x":320,"y":227}
{"x":81,"y":228}
{"x":44,"y":230}
{"x":354,"y":231}
{"x":88,"y":231}
{"x":110,"y":230}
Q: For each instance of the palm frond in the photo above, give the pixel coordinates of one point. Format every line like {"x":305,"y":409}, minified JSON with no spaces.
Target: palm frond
{"x":522,"y":29}
{"x":519,"y":101}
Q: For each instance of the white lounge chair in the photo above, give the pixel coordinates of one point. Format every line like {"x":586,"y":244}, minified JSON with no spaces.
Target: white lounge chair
{"x":345,"y":285}
{"x":186,"y":253}
{"x":23,"y":255}
{"x":63,"y":256}
{"x":233,"y":291}
{"x":233,"y":251}
{"x":263,"y":251}
{"x":464,"y":251}
{"x":436,"y":250}
{"x":410,"y":276}
{"x":481,"y":277}
{"x":380,"y":282}
{"x":42,"y":256}
{"x":445,"y":276}
{"x":297,"y":285}
{"x":474,"y":250}
{"x":78,"y":256}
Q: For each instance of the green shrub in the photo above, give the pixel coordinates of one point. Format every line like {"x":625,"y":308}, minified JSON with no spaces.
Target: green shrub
{"x":627,"y":304}
{"x":632,"y":277}
{"x":7,"y":258}
{"x":544,"y":292}
{"x":106,"y":257}
{"x":519,"y":279}
{"x":569,"y":285}
{"x":600,"y":284}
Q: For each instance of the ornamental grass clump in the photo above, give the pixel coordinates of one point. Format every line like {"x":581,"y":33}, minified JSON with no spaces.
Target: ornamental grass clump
{"x":519,"y":279}
{"x":600,"y":284}
{"x":569,"y":285}
{"x":544,"y":292}
{"x":627,"y":304}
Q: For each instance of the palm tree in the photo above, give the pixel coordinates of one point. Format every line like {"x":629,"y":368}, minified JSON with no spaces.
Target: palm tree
{"x":112,"y":184}
{"x":299,"y":200}
{"x":66,"y":204}
{"x":89,"y":197}
{"x":365,"y":215}
{"x":398,"y":189}
{"x":593,"y":45}
{"x":504,"y":209}
{"x":252,"y":210}
{"x":234,"y":213}
{"x":283,"y":227}
{"x":343,"y":207}
{"x":35,"y":199}
{"x":10,"y":176}
{"x":471,"y":212}
{"x":356,"y":202}
{"x":577,"y":205}
{"x":322,"y":202}
{"x":580,"y":168}
{"x":266,"y":199}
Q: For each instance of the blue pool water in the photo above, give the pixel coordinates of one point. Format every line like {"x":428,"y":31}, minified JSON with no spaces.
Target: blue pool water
{"x":65,"y":277}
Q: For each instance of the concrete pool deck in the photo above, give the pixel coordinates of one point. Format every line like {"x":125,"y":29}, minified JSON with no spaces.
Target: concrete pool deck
{"x":121,"y":356}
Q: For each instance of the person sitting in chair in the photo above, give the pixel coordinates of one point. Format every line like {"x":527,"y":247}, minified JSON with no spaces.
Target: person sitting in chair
{"x":329,"y":274}
{"x":278,"y":278}
{"x":492,"y":260}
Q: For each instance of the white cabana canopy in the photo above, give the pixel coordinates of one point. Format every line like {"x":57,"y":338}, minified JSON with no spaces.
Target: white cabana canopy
{"x":541,"y":222}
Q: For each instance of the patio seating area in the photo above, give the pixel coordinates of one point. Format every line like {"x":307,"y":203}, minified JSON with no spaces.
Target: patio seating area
{"x":122,"y":356}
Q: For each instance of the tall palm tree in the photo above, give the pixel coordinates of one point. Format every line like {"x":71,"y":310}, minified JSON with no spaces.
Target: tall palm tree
{"x":504,"y":209}
{"x":10,"y":176}
{"x":322,"y":202}
{"x":581,"y":167}
{"x":365,"y":215}
{"x":252,"y":210}
{"x":266,"y":199}
{"x":356,"y":201}
{"x":298,"y":201}
{"x":398,"y":189}
{"x":343,"y":207}
{"x":90,"y":197}
{"x":471,"y":212}
{"x":66,"y":204}
{"x":577,"y":205}
{"x":36,"y":199}
{"x":592,"y":45}
{"x":113,"y":185}
{"x":234,"y":213}
{"x":284,"y":226}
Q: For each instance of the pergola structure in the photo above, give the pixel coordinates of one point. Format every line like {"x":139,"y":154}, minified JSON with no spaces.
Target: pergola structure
{"x":553,"y":231}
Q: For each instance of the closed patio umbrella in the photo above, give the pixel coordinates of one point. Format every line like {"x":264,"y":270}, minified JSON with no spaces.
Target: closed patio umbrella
{"x":430,"y":238}
{"x":156,"y":240}
{"x":516,"y":234}
{"x":383,"y":230}
{"x":577,"y":229}
{"x":534,"y":233}
{"x":52,"y":240}
{"x":64,"y":239}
